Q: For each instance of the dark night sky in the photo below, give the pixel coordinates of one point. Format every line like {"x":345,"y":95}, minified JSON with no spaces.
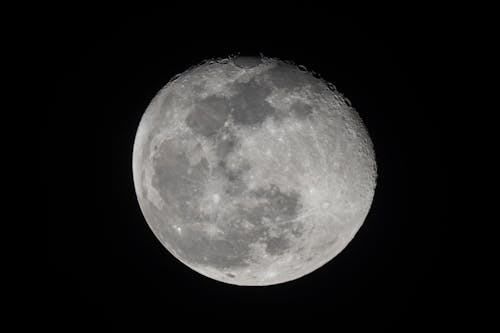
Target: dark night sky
{"x":105,"y":263}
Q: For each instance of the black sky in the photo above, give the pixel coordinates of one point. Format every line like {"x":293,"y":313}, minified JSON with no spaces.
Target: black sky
{"x":107,"y":265}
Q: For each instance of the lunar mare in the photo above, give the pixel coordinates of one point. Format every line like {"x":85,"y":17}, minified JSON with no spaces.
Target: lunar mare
{"x":253,"y":171}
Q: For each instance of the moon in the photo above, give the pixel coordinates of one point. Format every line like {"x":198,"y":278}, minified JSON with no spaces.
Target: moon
{"x":253,"y":171}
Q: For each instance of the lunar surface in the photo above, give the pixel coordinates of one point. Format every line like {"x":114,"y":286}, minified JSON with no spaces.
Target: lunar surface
{"x":252,"y":170}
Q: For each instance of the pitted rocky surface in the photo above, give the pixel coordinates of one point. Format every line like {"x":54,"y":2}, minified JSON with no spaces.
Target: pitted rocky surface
{"x":252,"y":171}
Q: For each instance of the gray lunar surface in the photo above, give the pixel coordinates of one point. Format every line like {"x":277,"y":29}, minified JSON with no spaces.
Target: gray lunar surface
{"x":253,"y":171}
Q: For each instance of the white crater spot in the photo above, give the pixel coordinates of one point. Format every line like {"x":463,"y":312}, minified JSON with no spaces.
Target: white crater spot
{"x":216,"y":198}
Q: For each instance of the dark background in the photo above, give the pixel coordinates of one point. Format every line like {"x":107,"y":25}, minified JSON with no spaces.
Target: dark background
{"x":104,"y":263}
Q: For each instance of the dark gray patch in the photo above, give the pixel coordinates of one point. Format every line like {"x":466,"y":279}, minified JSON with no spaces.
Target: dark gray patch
{"x":249,"y":106}
{"x":196,"y":247}
{"x":297,"y":229}
{"x":235,"y":175}
{"x":230,"y":275}
{"x":277,"y":245}
{"x":247,"y":62}
{"x":281,"y":204}
{"x":209,"y":115}
{"x":225,"y":146}
{"x":287,"y":76}
{"x":242,"y":236}
{"x":233,"y":251}
{"x":280,"y":208}
{"x":301,"y":110}
{"x":234,"y":186}
{"x":176,"y":186}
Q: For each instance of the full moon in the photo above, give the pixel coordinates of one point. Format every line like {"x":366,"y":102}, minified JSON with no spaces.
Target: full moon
{"x":253,"y":171}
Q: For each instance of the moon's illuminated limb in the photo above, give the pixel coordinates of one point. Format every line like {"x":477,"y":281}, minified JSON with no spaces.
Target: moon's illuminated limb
{"x":251,"y":171}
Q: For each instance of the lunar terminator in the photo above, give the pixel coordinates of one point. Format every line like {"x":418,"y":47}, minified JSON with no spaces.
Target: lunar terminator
{"x":253,"y":171}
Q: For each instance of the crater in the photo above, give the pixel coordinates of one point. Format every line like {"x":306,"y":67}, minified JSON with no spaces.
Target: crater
{"x":247,"y":62}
